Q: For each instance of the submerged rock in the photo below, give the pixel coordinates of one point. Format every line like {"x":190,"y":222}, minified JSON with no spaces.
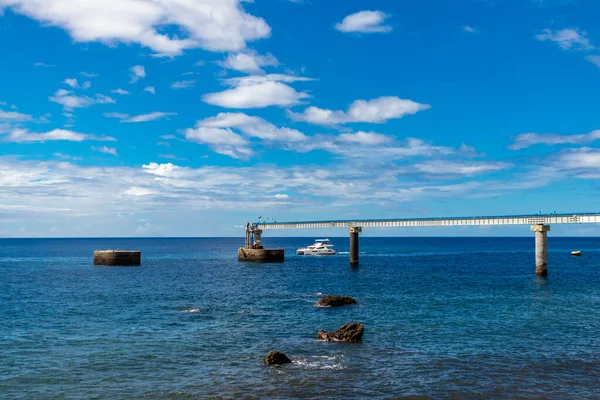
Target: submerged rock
{"x":276,"y":358}
{"x":335,"y":301}
{"x":350,"y":332}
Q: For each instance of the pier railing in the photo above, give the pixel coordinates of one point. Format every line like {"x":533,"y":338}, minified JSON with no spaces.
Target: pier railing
{"x":534,"y":219}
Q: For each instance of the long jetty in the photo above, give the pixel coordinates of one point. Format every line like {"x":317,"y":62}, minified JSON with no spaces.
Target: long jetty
{"x":540,"y":225}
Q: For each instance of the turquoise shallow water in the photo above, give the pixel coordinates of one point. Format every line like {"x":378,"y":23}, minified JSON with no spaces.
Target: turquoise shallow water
{"x":444,"y":317}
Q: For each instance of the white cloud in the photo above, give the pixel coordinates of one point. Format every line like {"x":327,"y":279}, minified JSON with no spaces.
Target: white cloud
{"x":440,"y":167}
{"x":120,"y":91}
{"x":13,"y":116}
{"x":249,"y":62}
{"x":222,"y":141}
{"x":215,"y":25}
{"x":183,"y":84}
{"x":71,"y":101}
{"x":75,"y":84}
{"x":139,"y":191}
{"x":137,"y":72}
{"x":366,"y":138}
{"x":469,"y":29}
{"x":106,"y":150}
{"x":282,"y":196}
{"x":594,"y":60}
{"x":89,"y":75}
{"x":525,"y":140}
{"x":150,"y":89}
{"x":153,"y":116}
{"x":252,"y":127}
{"x":24,"y":136}
{"x":377,"y":111}
{"x":82,"y":196}
{"x":567,"y":39}
{"x":39,"y":64}
{"x":364,"y":22}
{"x":583,"y":158}
{"x":72,"y":82}
{"x":258,"y":92}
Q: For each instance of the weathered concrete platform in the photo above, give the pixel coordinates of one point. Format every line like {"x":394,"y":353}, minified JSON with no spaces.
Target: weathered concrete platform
{"x":261,"y":255}
{"x":118,"y":257}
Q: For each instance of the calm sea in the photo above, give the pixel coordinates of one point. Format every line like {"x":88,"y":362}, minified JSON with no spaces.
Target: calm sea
{"x":444,"y":318}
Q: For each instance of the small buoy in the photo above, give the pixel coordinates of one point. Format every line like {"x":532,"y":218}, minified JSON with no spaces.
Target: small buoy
{"x":576,"y":253}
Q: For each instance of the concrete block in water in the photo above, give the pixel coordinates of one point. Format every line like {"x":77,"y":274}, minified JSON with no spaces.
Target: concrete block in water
{"x":261,"y":255}
{"x":117,"y":257}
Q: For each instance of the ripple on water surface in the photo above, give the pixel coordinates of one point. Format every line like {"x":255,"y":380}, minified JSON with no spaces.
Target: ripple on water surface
{"x":463,"y":318}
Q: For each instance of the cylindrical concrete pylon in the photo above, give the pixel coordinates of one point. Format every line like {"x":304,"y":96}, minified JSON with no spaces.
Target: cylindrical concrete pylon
{"x":354,"y":231}
{"x":541,"y":248}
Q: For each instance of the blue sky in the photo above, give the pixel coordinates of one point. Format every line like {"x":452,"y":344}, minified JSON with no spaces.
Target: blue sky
{"x":188,"y":118}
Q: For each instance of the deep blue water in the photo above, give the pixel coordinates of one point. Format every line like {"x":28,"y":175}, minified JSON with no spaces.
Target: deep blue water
{"x":444,"y":317}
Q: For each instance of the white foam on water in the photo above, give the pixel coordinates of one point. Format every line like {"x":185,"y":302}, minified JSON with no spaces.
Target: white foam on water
{"x":191,"y":310}
{"x":320,"y":363}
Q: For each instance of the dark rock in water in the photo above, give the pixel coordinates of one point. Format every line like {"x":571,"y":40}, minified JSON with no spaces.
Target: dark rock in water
{"x":276,"y":358}
{"x":335,"y":301}
{"x":351,"y":332}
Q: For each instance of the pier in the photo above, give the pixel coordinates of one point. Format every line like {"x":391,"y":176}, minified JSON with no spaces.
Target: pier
{"x":254,"y":251}
{"x":539,"y":223}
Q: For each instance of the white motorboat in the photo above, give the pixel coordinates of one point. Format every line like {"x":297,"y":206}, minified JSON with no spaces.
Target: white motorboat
{"x":321,"y":247}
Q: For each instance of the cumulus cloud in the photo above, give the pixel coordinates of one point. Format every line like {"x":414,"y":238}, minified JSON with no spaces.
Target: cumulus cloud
{"x":249,"y":62}
{"x":252,"y":127}
{"x":378,"y":111}
{"x":13,"y":116}
{"x":72,"y":82}
{"x":150,"y":89}
{"x":526,"y":140}
{"x":583,"y":158}
{"x":153,"y":116}
{"x":258,"y":92}
{"x":364,"y":22}
{"x":183,"y":84}
{"x":69,"y":100}
{"x":106,"y":150}
{"x":222,"y":141}
{"x":120,"y":91}
{"x":24,"y":136}
{"x":137,"y":72}
{"x":594,"y":60}
{"x":215,"y":25}
{"x":228,"y":134}
{"x":566,"y":39}
{"x":366,"y":138}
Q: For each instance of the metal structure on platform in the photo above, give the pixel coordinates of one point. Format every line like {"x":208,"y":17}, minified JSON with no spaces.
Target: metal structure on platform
{"x":540,"y":224}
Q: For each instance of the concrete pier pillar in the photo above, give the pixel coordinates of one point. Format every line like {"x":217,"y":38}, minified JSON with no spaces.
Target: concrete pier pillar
{"x":541,"y":248}
{"x":354,"y":231}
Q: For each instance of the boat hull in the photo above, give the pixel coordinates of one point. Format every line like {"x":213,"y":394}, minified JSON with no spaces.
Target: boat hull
{"x":314,"y":253}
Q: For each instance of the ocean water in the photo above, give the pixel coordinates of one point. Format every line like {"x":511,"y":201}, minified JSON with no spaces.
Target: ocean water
{"x":444,"y":318}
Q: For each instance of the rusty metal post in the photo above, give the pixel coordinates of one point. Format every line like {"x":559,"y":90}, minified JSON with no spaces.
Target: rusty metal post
{"x":354,"y":231}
